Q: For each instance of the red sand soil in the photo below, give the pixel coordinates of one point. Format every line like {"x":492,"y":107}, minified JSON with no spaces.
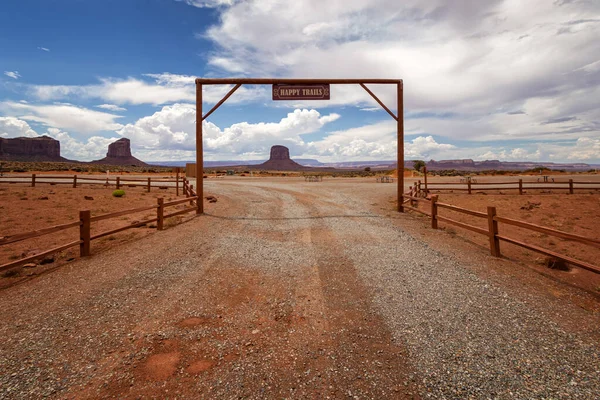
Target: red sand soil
{"x":578,"y":214}
{"x":25,"y":209}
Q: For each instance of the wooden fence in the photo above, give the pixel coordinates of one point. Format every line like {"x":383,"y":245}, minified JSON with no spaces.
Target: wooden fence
{"x":520,"y":185}
{"x":433,"y":207}
{"x":75,"y":180}
{"x":85,"y":224}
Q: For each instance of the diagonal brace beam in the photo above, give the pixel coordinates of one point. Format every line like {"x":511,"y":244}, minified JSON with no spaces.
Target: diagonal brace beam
{"x":379,"y":101}
{"x":236,"y":87}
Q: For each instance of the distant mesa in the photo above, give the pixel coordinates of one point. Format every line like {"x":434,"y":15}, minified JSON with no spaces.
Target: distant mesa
{"x":497,"y":165}
{"x":31,"y":149}
{"x":119,"y":153}
{"x":45,"y":148}
{"x":280,"y":161}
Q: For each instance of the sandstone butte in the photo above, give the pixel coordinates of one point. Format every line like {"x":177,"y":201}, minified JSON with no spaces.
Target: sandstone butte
{"x":119,"y":153}
{"x":279,"y":160}
{"x":47,"y":149}
{"x":35,"y":149}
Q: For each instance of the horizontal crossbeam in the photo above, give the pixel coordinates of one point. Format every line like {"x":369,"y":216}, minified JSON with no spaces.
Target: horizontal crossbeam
{"x":291,"y":81}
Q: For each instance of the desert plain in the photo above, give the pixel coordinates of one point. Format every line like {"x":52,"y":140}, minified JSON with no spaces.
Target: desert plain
{"x":294,"y":289}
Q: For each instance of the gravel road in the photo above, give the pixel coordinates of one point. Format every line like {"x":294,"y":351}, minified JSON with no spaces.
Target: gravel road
{"x":287,"y":289}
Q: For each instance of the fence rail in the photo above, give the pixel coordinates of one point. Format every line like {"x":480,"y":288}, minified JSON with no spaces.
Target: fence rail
{"x":117,"y":181}
{"x":492,"y":232}
{"x":519,"y":185}
{"x":85,"y":225}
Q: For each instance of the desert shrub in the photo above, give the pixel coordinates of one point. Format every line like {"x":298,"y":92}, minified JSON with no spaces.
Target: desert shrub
{"x":418,"y":165}
{"x":118,"y":193}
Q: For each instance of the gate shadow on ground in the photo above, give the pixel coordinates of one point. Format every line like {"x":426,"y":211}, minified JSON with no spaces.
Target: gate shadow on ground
{"x":292,"y":218}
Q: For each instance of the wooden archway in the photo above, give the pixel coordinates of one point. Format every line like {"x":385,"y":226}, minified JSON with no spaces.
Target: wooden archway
{"x":274,"y":81}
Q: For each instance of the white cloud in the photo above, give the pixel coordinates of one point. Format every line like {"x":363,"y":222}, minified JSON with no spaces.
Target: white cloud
{"x":226,"y":64}
{"x":517,"y":154}
{"x":12,"y":74}
{"x":44,"y":49}
{"x":426,"y":147}
{"x":63,"y":116}
{"x":585,"y":149}
{"x":72,"y":148}
{"x":119,"y":91}
{"x":173,"y":128}
{"x":166,"y":88}
{"x":582,"y":150}
{"x":14,"y":127}
{"x":209,"y":3}
{"x":111,"y":107}
{"x":94,"y":148}
{"x":470,"y":59}
{"x":169,"y":135}
{"x":374,"y":142}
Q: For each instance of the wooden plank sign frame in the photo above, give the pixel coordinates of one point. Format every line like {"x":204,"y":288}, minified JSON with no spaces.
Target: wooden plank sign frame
{"x":301,"y":92}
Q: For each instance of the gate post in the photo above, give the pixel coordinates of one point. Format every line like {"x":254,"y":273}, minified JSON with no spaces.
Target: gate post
{"x":400,"y":145}
{"x":199,"y":151}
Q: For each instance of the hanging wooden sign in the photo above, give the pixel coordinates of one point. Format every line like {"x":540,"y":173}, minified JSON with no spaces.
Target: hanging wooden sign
{"x":301,"y":92}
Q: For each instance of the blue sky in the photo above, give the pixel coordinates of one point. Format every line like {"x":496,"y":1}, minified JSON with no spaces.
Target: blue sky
{"x":499,"y":79}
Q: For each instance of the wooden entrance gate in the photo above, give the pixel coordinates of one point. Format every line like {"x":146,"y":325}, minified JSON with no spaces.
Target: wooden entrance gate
{"x":200,"y":82}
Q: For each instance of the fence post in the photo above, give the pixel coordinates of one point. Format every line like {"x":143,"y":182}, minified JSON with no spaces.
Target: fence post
{"x":184,"y":186}
{"x":74,"y":181}
{"x":191,"y":194}
{"x":149,"y":185}
{"x":493,"y":232}
{"x":469,"y":186}
{"x":160,"y":212}
{"x":570,"y":186}
{"x":118,"y":182}
{"x":32,"y":180}
{"x":434,"y":211}
{"x":177,"y":182}
{"x":84,"y":233}
{"x":419,"y":188}
{"x":520,"y":186}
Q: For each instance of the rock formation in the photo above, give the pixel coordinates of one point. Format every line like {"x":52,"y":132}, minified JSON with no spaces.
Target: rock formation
{"x":470,"y":165}
{"x":42,"y":148}
{"x":280,"y":161}
{"x":119,"y":153}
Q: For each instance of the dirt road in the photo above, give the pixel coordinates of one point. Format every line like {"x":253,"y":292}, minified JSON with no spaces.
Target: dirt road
{"x":287,"y":289}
